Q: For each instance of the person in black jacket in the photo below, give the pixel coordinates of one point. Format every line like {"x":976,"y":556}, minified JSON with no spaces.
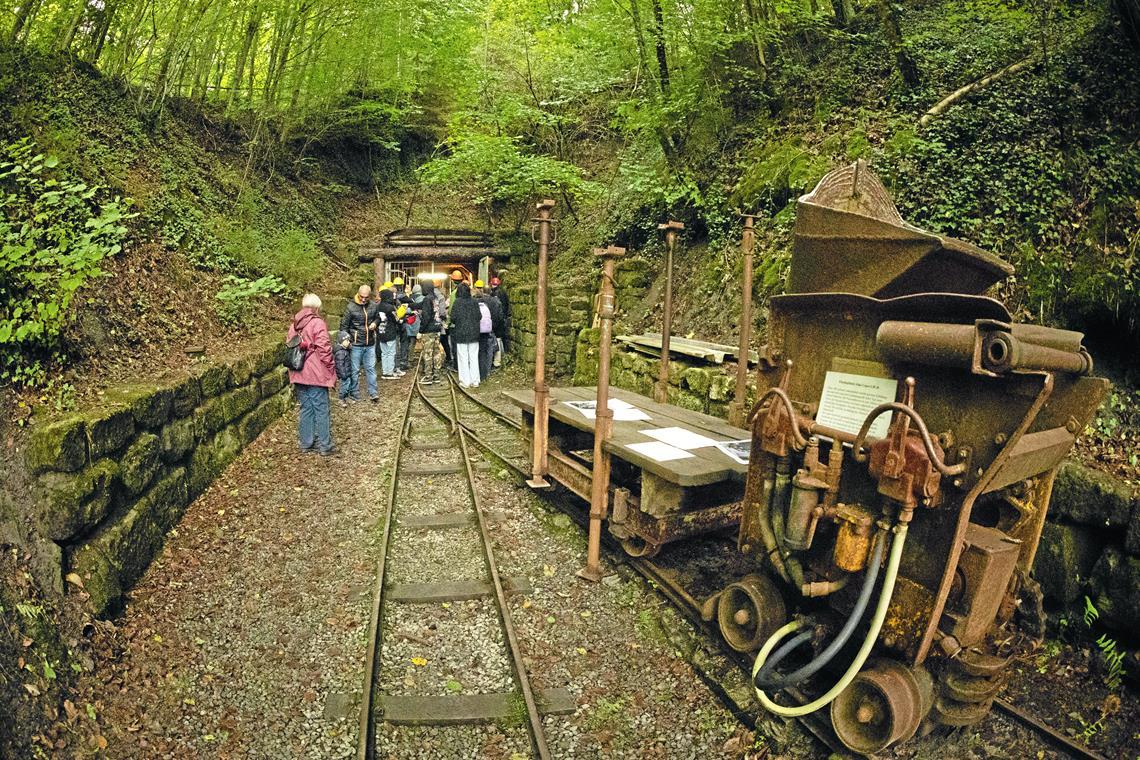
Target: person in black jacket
{"x":360,"y":321}
{"x":433,"y":312}
{"x":403,"y":340}
{"x":465,"y":316}
{"x":390,"y":329}
{"x":498,"y":292}
{"x":488,"y":342}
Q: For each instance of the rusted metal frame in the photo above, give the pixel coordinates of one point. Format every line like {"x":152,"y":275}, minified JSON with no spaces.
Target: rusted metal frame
{"x":967,"y":508}
{"x":661,"y":389}
{"x":736,"y":408}
{"x":663,"y":530}
{"x":365,"y":729}
{"x":538,"y":737}
{"x":541,"y":390}
{"x":603,"y":417}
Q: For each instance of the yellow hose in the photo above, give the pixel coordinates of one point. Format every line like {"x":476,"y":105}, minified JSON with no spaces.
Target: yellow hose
{"x":864,"y":650}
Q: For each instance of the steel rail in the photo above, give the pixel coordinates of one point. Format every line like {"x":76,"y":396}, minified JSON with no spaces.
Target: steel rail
{"x":365,"y":733}
{"x":534,"y":719}
{"x":681,"y":599}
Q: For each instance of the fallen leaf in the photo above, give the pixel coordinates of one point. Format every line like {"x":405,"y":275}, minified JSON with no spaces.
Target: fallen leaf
{"x":74,"y":579}
{"x":32,"y":689}
{"x":586,"y":613}
{"x":580,"y":650}
{"x":419,"y":661}
{"x":454,"y":686}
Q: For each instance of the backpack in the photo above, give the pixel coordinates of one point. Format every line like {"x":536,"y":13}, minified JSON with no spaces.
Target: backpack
{"x":485,"y":319}
{"x":295,"y":354}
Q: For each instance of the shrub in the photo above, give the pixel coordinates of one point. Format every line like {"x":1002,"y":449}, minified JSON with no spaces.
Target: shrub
{"x":291,"y":254}
{"x":238,"y":294}
{"x":54,"y":235}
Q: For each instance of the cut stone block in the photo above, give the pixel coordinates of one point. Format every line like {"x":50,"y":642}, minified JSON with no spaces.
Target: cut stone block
{"x":71,"y":504}
{"x":59,"y":445}
{"x":140,"y":463}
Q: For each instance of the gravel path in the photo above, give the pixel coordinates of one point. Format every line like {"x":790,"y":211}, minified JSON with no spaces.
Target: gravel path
{"x":246,"y":638}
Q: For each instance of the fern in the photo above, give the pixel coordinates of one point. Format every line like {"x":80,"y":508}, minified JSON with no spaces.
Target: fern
{"x":1092,"y":614}
{"x":1114,"y":659}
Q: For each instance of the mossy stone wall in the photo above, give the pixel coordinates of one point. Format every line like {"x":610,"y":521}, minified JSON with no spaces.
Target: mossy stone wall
{"x":110,"y":481}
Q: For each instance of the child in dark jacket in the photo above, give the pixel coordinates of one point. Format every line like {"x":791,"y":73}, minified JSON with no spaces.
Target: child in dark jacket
{"x":342,"y":358}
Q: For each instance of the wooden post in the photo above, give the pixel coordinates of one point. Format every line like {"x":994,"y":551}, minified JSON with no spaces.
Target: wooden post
{"x":603,"y":417}
{"x":377,"y":273}
{"x":736,"y":413}
{"x":661,"y":390}
{"x":541,"y":390}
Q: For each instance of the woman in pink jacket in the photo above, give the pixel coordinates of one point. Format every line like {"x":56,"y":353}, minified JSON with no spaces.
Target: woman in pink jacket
{"x":316,"y":377}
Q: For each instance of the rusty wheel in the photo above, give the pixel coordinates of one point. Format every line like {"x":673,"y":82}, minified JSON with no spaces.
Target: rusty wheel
{"x":884,"y":705}
{"x":636,"y":546}
{"x":748,"y":611}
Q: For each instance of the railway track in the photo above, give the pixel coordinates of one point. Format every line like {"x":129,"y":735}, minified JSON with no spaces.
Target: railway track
{"x":487,"y":426}
{"x":450,"y":458}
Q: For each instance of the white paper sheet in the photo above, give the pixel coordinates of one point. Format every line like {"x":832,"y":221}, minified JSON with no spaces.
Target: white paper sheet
{"x":738,"y":451}
{"x":847,"y":399}
{"x":630,"y":414}
{"x":659,"y":452}
{"x":623,"y":410}
{"x":679,"y":437}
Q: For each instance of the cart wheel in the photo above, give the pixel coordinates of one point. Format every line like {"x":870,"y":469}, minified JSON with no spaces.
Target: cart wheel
{"x":749,"y":611}
{"x":636,"y":546}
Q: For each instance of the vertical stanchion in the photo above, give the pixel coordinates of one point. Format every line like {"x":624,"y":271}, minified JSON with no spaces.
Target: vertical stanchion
{"x":603,"y":416}
{"x":661,"y":389}
{"x":541,"y":390}
{"x":736,"y":412}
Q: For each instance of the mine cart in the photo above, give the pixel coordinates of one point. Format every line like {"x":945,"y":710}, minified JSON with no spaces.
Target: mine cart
{"x":904,"y":446}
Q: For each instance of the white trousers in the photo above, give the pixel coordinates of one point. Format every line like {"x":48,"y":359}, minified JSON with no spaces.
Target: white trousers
{"x":468,"y":358}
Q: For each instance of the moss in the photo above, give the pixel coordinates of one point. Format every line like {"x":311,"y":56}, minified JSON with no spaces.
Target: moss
{"x":140,"y":463}
{"x":214,"y":380}
{"x":187,"y":394}
{"x":177,"y":438}
{"x":69,"y":504}
{"x":58,"y":445}
{"x":108,"y":430}
{"x":150,"y":404}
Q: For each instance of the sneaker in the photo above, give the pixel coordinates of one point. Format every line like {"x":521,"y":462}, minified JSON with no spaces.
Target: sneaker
{"x":332,"y":452}
{"x":353,"y":399}
{"x":343,"y":402}
{"x":400,"y":373}
{"x":375,"y":399}
{"x":389,"y":377}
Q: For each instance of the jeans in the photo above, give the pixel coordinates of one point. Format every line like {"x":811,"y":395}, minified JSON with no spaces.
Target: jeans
{"x":388,"y":357}
{"x":363,"y":355}
{"x":403,"y":346}
{"x":468,"y":358}
{"x":429,"y":350}
{"x":486,"y":353}
{"x":314,"y":428}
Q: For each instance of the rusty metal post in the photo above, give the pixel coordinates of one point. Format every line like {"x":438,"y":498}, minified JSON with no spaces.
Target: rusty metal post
{"x":736,"y":411}
{"x":661,"y":390}
{"x":541,"y":390}
{"x":603,"y":416}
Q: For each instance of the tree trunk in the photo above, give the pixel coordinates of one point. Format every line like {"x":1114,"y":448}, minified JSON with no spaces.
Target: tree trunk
{"x":25,"y":12}
{"x":843,"y":12}
{"x":890,"y":21}
{"x":659,"y":43}
{"x":251,"y":28}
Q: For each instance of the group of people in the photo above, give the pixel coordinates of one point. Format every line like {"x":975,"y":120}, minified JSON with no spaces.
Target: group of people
{"x":471,"y":326}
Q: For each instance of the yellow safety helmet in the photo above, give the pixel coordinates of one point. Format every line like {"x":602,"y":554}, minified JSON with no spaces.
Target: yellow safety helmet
{"x":398,"y":281}
{"x":478,"y":283}
{"x":386,"y":286}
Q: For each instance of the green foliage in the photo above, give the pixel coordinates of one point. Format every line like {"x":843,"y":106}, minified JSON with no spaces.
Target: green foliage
{"x":289,"y":255}
{"x":238,"y":294}
{"x":55,"y":234}
{"x":1111,"y":654}
{"x":493,"y":168}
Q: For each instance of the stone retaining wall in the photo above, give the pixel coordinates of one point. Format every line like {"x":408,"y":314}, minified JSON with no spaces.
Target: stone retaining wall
{"x":109,"y":482}
{"x":567,"y":312}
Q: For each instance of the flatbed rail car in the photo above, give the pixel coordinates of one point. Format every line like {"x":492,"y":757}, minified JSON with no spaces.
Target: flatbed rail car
{"x":654,"y":499}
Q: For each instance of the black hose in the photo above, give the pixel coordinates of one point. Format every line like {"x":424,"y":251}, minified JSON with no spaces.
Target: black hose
{"x":768,"y":681}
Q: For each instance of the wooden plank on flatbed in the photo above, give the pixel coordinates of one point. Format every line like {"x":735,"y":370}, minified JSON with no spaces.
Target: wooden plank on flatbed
{"x":456,"y":709}
{"x":707,"y":465}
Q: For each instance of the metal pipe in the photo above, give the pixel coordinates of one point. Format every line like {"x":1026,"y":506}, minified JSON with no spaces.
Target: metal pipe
{"x":736,"y":408}
{"x":541,"y":390}
{"x":765,"y":678}
{"x":603,"y":417}
{"x":661,"y":390}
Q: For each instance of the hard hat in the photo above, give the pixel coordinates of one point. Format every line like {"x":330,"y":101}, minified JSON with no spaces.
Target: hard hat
{"x":456,"y":275}
{"x":478,"y":283}
{"x":386,"y":286}
{"x":398,"y":281}
{"x":495,"y":282}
